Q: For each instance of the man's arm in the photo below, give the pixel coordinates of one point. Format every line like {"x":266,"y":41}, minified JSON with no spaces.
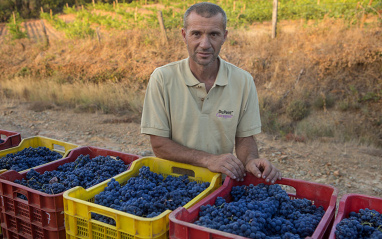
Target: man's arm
{"x":247,"y":152}
{"x":225,"y":163}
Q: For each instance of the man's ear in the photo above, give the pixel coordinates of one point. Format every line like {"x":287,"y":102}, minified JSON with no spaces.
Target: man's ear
{"x":225,"y":35}
{"x":184,"y":34}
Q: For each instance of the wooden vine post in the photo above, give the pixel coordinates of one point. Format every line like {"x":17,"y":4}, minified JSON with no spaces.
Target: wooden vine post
{"x":27,"y":32}
{"x":42,"y":10}
{"x":45,"y":34}
{"x":14,"y":18}
{"x":162,"y":28}
{"x":274,"y":18}
{"x":98,"y":36}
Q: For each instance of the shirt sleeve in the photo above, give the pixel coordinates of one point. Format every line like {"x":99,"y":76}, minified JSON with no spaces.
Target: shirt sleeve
{"x":249,"y":122}
{"x":155,"y":116}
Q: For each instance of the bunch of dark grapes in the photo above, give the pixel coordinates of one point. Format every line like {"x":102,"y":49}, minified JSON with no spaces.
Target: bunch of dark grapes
{"x":1,"y":141}
{"x":262,"y":211}
{"x":148,"y":195}
{"x":364,"y":224}
{"x":84,"y":172}
{"x":28,"y":158}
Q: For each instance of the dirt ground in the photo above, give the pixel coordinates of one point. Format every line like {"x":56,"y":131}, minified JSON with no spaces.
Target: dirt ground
{"x":348,"y":167}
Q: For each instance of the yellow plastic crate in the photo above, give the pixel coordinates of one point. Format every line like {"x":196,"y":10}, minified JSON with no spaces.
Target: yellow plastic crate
{"x":79,"y":204}
{"x":39,"y":141}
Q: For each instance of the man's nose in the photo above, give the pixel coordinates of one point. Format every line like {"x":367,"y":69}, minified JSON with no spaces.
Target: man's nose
{"x":205,"y":42}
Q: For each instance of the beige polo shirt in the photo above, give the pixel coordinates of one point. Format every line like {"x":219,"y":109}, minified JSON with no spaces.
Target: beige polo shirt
{"x":178,"y":107}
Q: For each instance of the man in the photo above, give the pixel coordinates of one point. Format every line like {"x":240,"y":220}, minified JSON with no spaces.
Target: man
{"x":198,"y":109}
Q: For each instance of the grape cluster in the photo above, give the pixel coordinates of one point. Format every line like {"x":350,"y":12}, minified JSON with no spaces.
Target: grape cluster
{"x":28,"y":158}
{"x":262,"y":211}
{"x":148,"y":194}
{"x":1,"y":141}
{"x":364,"y":224}
{"x":84,"y":172}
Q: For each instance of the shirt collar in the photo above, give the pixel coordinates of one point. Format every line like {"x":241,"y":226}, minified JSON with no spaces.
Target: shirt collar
{"x":221,"y":78}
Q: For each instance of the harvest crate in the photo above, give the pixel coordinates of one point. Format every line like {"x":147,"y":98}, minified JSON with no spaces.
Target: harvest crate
{"x":14,"y":227}
{"x":181,"y":219}
{"x":39,"y":141}
{"x":42,"y":210}
{"x":353,"y":203}
{"x":79,"y":203}
{"x":11,"y":139}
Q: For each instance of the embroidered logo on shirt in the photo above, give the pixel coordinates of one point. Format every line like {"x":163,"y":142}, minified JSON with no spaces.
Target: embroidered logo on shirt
{"x":225,"y":114}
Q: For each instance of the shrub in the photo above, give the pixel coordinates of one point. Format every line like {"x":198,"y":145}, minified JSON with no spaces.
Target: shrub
{"x":14,"y":27}
{"x":324,"y":101}
{"x":348,"y":104}
{"x":297,"y":110}
{"x":313,"y":128}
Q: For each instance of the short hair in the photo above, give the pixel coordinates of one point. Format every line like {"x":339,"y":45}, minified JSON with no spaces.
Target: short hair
{"x":205,"y":9}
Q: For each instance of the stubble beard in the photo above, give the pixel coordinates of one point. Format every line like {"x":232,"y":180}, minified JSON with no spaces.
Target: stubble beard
{"x":203,"y":63}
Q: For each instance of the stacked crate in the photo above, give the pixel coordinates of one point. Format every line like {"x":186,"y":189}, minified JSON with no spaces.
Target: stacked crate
{"x":12,"y":145}
{"x":42,"y":214}
{"x":353,"y":203}
{"x":9,"y":139}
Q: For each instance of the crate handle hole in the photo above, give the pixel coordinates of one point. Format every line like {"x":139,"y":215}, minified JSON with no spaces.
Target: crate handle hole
{"x":59,"y":148}
{"x":183,"y":171}
{"x":289,"y":189}
{"x":103,"y":218}
{"x":22,"y":196}
{"x":3,"y":136}
{"x":115,"y":157}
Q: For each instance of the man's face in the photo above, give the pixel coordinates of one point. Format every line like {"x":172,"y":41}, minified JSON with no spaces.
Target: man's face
{"x":204,"y":38}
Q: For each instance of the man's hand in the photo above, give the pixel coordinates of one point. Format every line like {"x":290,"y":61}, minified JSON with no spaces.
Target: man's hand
{"x":227,"y":164}
{"x":223,"y":163}
{"x":262,"y":168}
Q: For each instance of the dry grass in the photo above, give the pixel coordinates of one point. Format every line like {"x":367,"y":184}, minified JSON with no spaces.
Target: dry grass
{"x":106,"y":97}
{"x":307,"y":61}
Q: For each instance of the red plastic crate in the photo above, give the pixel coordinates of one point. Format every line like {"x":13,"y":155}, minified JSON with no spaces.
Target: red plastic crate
{"x":12,"y":139}
{"x":16,"y":228}
{"x":181,"y":220}
{"x":353,"y":203}
{"x":42,"y":209}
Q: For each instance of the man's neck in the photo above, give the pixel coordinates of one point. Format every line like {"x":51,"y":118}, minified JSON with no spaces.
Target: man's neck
{"x":206,"y":74}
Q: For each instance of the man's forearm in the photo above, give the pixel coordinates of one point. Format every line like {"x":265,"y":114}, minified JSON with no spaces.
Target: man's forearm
{"x":246,"y":149}
{"x":168,"y":149}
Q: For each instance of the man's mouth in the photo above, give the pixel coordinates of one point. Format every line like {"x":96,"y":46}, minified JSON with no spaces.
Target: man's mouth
{"x":204,"y":54}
